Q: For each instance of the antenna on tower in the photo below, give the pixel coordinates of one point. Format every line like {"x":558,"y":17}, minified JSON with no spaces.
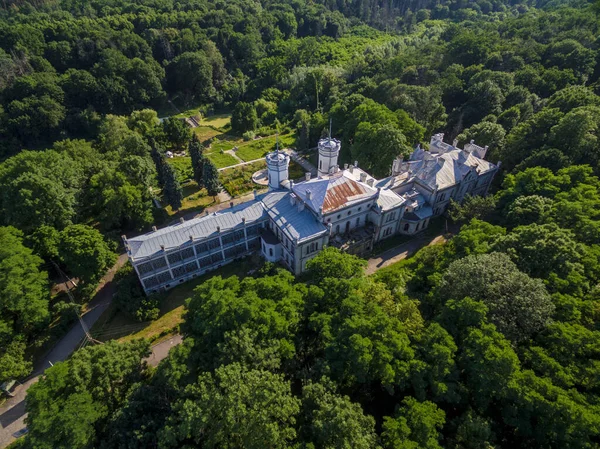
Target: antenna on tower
{"x":277,"y":142}
{"x":330,"y":120}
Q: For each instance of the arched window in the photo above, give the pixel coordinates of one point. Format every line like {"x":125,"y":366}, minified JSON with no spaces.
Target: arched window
{"x":320,"y":165}
{"x":271,"y":252}
{"x":406,"y":226}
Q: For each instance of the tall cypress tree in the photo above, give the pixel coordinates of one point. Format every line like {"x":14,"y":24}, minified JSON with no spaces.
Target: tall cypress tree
{"x":211,"y":178}
{"x":172,"y":190}
{"x":196,"y":149}
{"x":159,"y":160}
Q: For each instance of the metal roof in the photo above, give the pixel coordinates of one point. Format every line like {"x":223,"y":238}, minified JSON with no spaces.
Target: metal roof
{"x":333,"y":192}
{"x":388,"y":199}
{"x":177,"y":235}
{"x":290,"y":217}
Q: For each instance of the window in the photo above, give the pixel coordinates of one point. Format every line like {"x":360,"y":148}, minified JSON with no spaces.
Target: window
{"x":174,"y":257}
{"x":145,"y":268}
{"x":320,"y":165}
{"x":271,"y":252}
{"x":417,"y":228}
{"x":349,"y":212}
{"x":329,"y":220}
{"x":339,"y":216}
{"x":406,"y":226}
{"x":360,"y":208}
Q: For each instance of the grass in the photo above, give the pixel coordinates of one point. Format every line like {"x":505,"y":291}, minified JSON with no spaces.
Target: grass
{"x":295,"y":171}
{"x":222,"y":160}
{"x":183,"y":168}
{"x":238,"y":181}
{"x":192,"y":199}
{"x":220,"y":145}
{"x":114,"y":324}
{"x":259,"y":148}
{"x":206,"y":132}
{"x":217,"y":120}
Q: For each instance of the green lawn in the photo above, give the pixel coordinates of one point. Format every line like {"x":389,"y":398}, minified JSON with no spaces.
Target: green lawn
{"x":221,"y":160}
{"x":220,"y":145}
{"x":206,"y":132}
{"x":259,"y":148}
{"x":217,"y":120}
{"x":193,"y":198}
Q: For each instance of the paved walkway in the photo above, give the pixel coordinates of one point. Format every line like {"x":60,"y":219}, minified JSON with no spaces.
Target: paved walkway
{"x":241,"y":163}
{"x":12,"y":412}
{"x":402,"y":251}
{"x":161,"y":350}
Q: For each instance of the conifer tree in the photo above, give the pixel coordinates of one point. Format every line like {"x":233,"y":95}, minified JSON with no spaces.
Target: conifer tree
{"x":172,"y":190}
{"x":211,"y":178}
{"x":159,"y":161}
{"x":195,"y":149}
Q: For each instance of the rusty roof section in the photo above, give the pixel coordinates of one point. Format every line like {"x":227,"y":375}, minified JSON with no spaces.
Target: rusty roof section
{"x":333,"y":192}
{"x":343,"y":190}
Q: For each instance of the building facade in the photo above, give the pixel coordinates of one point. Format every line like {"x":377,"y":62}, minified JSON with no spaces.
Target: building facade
{"x":293,"y":222}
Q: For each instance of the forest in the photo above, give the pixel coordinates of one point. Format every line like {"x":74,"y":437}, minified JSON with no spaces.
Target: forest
{"x":491,"y":340}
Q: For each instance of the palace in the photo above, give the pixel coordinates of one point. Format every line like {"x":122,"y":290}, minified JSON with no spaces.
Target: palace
{"x":293,"y":221}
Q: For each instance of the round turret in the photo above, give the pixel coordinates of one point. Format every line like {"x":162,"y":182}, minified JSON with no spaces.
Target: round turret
{"x":277,"y":166}
{"x":329,"y":150}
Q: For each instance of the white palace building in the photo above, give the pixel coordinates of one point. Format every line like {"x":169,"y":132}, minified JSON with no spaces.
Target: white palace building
{"x":293,"y":221}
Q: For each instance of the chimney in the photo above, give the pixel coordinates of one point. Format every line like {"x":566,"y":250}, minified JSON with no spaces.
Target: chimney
{"x":293,"y":199}
{"x":231,"y":204}
{"x":346,"y":166}
{"x":351,"y":168}
{"x":307,"y":176}
{"x":255,"y":194}
{"x":363,"y":177}
{"x":162,"y":247}
{"x":244,"y":221}
{"x":191,"y":238}
{"x":356,"y":163}
{"x":181,"y":219}
{"x":154,"y":229}
{"x":218,"y":228}
{"x":308,"y":195}
{"x":370,"y":182}
{"x":454,"y":143}
{"x":124,"y":238}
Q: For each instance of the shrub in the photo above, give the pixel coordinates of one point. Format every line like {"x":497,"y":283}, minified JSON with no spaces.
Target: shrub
{"x":248,"y":135}
{"x":130,"y":297}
